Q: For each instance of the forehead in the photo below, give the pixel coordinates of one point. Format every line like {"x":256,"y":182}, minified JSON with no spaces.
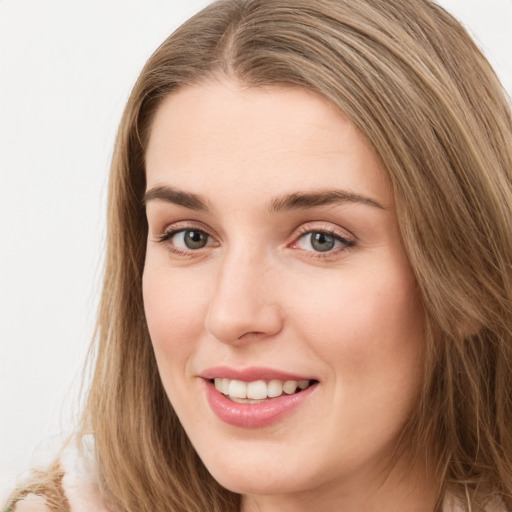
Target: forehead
{"x":273,"y":137}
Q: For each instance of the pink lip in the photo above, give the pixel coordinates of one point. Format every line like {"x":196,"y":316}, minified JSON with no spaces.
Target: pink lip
{"x":250,"y":374}
{"x":253,"y":415}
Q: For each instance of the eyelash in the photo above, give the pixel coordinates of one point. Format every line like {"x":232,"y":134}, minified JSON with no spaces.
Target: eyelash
{"x":167,"y":234}
{"x":347,"y":243}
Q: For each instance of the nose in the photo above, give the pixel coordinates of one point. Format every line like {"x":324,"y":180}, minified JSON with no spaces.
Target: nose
{"x":244,"y":305}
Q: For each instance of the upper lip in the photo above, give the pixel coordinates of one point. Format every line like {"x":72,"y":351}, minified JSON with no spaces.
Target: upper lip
{"x":251,"y":374}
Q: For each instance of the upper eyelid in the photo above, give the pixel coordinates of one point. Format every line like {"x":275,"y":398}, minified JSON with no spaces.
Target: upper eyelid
{"x":329,"y":227}
{"x":297,"y":232}
{"x":348,"y":242}
{"x":185,"y":225}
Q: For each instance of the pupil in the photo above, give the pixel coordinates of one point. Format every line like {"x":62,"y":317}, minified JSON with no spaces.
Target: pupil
{"x":195,"y":239}
{"x":322,"y":242}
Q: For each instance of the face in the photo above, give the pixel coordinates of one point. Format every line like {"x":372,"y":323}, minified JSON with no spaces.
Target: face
{"x":285,"y":318}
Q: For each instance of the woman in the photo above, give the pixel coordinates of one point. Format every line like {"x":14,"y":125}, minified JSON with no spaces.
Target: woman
{"x":309,"y":272}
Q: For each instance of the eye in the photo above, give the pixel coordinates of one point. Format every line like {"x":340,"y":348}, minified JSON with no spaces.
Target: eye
{"x":322,"y":241}
{"x":187,"y":239}
{"x":192,"y":239}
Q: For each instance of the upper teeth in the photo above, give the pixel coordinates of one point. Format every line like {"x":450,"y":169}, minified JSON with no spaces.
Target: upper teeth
{"x":258,"y":389}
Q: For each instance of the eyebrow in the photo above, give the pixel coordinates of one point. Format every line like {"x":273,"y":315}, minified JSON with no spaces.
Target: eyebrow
{"x":293,"y":201}
{"x":300,"y":201}
{"x":175,"y":196}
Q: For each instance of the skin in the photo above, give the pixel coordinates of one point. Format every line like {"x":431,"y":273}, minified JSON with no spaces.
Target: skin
{"x":260,"y":294}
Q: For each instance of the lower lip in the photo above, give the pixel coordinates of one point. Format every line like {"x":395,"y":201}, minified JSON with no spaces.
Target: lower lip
{"x":254,"y":415}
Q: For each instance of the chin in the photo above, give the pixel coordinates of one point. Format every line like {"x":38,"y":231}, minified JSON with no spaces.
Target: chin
{"x":250,"y":484}
{"x":251,"y":477}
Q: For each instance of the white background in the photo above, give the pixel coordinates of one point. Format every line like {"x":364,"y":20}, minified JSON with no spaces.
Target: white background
{"x":66,"y":69}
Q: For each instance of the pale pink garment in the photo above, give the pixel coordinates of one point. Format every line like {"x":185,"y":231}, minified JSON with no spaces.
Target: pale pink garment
{"x":453,"y":504}
{"x":80,"y":481}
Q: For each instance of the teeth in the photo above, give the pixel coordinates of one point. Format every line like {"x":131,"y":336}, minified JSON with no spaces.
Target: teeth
{"x":237,"y":389}
{"x":258,"y":390}
{"x":303,"y":384}
{"x":222,"y":385}
{"x":275,"y":388}
{"x":290,"y":386}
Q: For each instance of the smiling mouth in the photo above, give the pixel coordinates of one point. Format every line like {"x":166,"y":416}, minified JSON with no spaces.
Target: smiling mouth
{"x":258,"y":391}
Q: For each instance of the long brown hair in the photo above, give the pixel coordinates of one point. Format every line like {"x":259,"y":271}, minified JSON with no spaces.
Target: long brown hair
{"x":413,"y":82}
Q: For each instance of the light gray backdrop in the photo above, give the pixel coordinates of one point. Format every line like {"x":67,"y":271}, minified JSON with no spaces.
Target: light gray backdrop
{"x":66,"y":69}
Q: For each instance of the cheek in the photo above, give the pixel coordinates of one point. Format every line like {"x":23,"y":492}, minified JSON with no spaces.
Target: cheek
{"x":369,"y":322}
{"x":173,"y":306}
{"x":370,"y":333}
